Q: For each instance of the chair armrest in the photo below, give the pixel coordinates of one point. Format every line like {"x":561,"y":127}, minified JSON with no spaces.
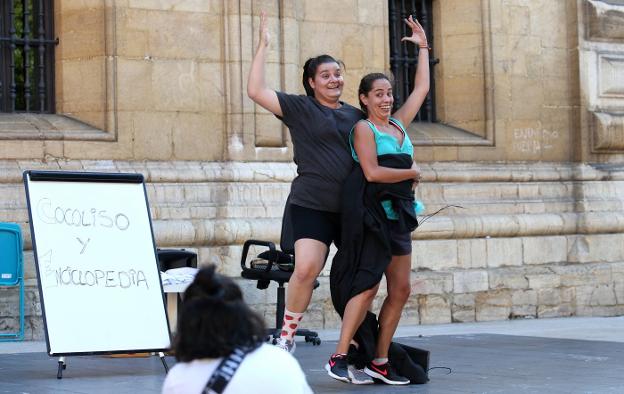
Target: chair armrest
{"x":250,"y":242}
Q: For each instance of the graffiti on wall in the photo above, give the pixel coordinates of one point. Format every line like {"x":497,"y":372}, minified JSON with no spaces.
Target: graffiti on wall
{"x":532,"y":141}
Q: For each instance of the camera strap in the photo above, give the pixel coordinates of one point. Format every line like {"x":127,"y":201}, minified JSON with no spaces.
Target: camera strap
{"x":225,"y":371}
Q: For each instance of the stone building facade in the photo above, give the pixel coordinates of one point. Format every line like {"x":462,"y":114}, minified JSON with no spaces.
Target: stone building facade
{"x":530,"y":141}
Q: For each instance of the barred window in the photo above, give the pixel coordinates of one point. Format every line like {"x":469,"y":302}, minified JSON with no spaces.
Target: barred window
{"x":404,"y":58}
{"x":26,"y":56}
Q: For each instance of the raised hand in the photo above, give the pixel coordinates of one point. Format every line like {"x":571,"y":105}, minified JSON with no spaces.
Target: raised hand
{"x":418,"y":36}
{"x":264,"y":34}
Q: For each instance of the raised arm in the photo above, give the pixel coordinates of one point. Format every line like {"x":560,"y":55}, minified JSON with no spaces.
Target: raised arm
{"x":366,"y":149}
{"x":256,"y":85}
{"x":410,"y":107}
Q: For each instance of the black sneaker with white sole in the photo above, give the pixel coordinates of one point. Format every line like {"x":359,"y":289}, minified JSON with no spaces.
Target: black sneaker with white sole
{"x":386,"y":373}
{"x":337,"y":367}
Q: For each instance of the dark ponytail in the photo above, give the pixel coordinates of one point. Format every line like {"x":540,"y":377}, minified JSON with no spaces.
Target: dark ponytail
{"x":309,"y":70}
{"x":366,"y":85}
{"x":210,"y":285}
{"x":214,"y":319}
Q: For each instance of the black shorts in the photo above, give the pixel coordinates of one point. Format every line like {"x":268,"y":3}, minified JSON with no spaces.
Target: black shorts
{"x":400,"y":242}
{"x":311,"y":223}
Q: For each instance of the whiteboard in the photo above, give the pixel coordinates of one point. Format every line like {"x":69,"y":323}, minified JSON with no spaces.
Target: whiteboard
{"x":99,"y":281}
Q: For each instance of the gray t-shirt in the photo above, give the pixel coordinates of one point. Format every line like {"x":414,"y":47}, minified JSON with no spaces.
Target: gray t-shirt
{"x":320,"y":137}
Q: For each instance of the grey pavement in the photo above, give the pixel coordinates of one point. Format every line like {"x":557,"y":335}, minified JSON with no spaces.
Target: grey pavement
{"x":564,"y":355}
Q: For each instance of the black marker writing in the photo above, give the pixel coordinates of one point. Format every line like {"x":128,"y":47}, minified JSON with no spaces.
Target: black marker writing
{"x":46,"y":260}
{"x":84,"y":244}
{"x":69,"y":276}
{"x":80,"y":217}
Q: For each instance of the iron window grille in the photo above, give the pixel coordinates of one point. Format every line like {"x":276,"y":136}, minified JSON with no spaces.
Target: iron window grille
{"x":27,"y":56}
{"x":404,"y":58}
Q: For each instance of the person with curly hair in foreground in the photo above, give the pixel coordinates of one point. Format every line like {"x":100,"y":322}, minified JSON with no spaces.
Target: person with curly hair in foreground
{"x":219,"y":345}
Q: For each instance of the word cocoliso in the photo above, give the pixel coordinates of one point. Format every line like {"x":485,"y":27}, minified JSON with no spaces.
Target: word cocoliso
{"x":51,"y":214}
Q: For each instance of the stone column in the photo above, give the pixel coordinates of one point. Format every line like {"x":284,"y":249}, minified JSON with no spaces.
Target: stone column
{"x":252,"y":132}
{"x":601,"y":58}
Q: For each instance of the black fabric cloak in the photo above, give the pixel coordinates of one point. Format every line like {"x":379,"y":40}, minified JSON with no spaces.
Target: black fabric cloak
{"x":364,"y":255}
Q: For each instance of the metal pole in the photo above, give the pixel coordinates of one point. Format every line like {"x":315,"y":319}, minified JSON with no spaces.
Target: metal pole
{"x":41,"y":63}
{"x":12,"y":46}
{"x":26,"y":7}
{"x":2,"y":57}
{"x":426,"y":25}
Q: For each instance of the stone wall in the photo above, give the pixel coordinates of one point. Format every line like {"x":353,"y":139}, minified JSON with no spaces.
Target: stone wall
{"x":354,"y":31}
{"x":531,"y":241}
{"x":165,"y":80}
{"x":529,"y":144}
{"x":507,"y":82}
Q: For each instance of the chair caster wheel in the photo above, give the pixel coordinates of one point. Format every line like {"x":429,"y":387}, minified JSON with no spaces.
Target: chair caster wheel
{"x":316,"y":341}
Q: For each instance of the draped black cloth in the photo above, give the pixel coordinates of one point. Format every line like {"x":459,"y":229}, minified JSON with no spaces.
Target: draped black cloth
{"x":364,"y":255}
{"x":364,"y":252}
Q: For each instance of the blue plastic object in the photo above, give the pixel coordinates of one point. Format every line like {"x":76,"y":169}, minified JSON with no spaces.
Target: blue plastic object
{"x":419,"y":207}
{"x":12,"y":270}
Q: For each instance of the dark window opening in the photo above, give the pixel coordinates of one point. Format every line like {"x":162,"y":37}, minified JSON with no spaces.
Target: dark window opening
{"x":27,"y":56}
{"x":404,"y":58}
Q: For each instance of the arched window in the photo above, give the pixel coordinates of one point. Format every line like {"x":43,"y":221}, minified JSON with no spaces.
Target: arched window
{"x":26,"y":56}
{"x":404,"y":58}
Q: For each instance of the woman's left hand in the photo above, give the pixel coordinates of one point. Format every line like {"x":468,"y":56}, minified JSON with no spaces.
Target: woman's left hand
{"x":418,"y":36}
{"x":416,"y":179}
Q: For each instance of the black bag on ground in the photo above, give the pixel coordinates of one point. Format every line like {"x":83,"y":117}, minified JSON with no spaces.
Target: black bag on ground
{"x":410,"y":362}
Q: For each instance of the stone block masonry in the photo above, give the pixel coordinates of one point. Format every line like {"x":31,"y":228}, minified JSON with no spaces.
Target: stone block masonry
{"x":519,"y":248}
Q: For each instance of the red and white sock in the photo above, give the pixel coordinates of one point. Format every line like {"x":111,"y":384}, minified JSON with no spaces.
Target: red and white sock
{"x":291,"y":321}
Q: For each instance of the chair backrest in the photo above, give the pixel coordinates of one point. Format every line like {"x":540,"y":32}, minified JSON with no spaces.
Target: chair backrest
{"x":11,"y":254}
{"x":176,"y":258}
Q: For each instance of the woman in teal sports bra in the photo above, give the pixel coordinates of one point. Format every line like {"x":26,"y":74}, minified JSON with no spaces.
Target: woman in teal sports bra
{"x":387,"y":144}
{"x":383,"y":133}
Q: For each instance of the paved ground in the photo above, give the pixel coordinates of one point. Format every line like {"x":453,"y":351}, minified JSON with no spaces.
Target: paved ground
{"x":573,"y":355}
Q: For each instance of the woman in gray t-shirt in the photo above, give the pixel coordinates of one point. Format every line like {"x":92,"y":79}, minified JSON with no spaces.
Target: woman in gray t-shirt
{"x":319,"y":125}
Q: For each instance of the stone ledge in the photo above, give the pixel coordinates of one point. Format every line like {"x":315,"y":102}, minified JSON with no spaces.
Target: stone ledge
{"x":195,"y":171}
{"x":220,"y":200}
{"x":480,"y":226}
{"x":438,"y":134}
{"x":199,"y":232}
{"x":266,"y":224}
{"x":605,"y":20}
{"x":160,"y":171}
{"x":223,"y":232}
{"x":28,"y":126}
{"x":608,"y":132}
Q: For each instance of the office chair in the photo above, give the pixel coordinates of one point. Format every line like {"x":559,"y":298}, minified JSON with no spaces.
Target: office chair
{"x":277,"y":266}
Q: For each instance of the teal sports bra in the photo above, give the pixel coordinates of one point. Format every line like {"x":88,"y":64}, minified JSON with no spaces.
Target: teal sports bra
{"x":387,"y":144}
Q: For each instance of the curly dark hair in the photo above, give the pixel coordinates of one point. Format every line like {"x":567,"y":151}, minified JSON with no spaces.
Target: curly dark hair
{"x":309,"y":70}
{"x":214,"y":319}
